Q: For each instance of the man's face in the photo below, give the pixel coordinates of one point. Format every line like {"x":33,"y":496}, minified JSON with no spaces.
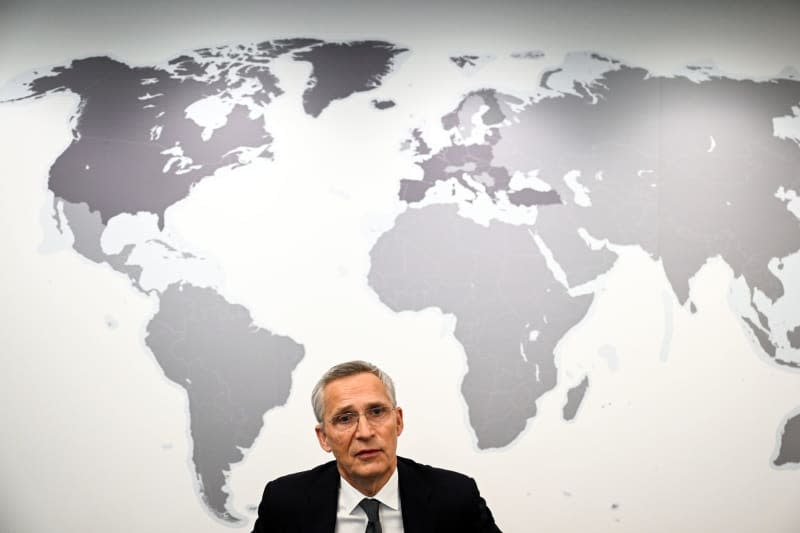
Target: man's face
{"x":366,"y":453}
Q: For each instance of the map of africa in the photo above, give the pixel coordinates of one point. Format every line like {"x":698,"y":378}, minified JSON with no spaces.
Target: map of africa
{"x":518,"y":205}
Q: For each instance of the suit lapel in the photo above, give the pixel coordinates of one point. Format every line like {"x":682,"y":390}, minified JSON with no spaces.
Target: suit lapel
{"x":323,"y":498}
{"x":415,"y":499}
{"x":415,"y":495}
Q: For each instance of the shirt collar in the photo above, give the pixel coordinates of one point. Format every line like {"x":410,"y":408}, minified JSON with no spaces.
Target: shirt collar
{"x":350,"y":497}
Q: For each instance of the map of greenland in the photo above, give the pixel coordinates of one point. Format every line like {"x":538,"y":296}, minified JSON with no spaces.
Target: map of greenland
{"x":687,"y":168}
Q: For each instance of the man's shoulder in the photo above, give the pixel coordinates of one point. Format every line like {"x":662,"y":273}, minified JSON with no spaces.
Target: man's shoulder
{"x":428,"y":489}
{"x":302,"y":501}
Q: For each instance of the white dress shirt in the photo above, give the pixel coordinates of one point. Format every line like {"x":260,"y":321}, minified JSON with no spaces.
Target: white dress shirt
{"x":351,"y":518}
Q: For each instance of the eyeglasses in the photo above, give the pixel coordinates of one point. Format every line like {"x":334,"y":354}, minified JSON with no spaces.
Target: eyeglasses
{"x":348,"y":420}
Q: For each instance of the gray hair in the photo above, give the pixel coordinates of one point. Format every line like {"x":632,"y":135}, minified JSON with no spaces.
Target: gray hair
{"x":344,"y":370}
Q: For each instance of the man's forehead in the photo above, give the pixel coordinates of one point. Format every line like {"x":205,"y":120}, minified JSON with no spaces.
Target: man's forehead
{"x":363,"y":387}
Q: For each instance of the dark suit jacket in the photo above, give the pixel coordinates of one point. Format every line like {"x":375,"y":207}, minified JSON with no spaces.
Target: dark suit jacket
{"x":432,"y":500}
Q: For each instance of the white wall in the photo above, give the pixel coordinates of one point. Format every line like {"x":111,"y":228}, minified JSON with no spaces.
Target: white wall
{"x":96,"y":439}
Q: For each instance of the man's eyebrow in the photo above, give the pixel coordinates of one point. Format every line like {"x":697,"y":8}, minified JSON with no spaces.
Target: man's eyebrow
{"x":352,"y":409}
{"x":345,"y":409}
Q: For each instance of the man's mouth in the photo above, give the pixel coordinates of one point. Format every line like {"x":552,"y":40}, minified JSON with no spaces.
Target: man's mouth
{"x":367,"y":454}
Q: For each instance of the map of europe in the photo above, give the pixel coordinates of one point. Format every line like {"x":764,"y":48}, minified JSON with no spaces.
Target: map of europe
{"x":506,"y":224}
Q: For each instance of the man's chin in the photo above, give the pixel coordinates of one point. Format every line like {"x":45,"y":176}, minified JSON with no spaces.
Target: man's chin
{"x":371,"y":466}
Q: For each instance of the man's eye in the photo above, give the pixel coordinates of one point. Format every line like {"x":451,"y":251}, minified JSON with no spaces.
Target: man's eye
{"x":344,"y":418}
{"x":376,"y":412}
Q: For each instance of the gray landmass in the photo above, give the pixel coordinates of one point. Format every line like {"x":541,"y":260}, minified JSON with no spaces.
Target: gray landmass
{"x":421,"y":147}
{"x":342,"y":69}
{"x":497,"y":284}
{"x":574,"y":398}
{"x":119,"y":262}
{"x":170,"y":248}
{"x":545,"y":80}
{"x":453,"y":162}
{"x":793,"y":336}
{"x":733,"y":188}
{"x":465,"y":60}
{"x":688,"y":171}
{"x":762,"y":318}
{"x":558,"y":226}
{"x":498,"y":110}
{"x":233,"y":373}
{"x":764,"y":340}
{"x":87,"y":229}
{"x":528,"y":54}
{"x":383,"y":104}
{"x":129,"y":117}
{"x":762,"y":337}
{"x":134,"y":149}
{"x":529,"y":197}
{"x":790,"y":443}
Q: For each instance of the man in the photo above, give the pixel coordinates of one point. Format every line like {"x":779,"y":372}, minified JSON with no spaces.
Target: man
{"x":368,"y":489}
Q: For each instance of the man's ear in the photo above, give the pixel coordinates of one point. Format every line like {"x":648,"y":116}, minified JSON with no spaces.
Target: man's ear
{"x":398,"y":411}
{"x":322,"y":438}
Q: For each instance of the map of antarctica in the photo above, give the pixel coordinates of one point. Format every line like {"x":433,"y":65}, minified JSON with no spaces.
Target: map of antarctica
{"x":506,"y":214}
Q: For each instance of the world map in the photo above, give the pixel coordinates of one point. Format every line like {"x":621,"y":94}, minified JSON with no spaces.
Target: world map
{"x":518,"y":205}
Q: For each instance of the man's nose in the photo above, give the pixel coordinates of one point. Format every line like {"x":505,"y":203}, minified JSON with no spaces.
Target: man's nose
{"x":364,"y":429}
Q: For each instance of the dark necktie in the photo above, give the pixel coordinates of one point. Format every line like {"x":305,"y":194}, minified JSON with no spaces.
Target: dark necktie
{"x":370,"y":507}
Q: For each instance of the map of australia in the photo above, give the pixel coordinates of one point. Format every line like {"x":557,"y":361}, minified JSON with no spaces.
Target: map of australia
{"x":506,"y":225}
